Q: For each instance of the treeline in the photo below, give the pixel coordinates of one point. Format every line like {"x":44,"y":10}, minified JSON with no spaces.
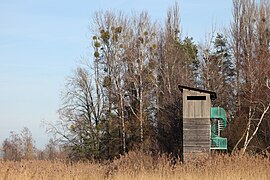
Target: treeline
{"x":21,"y":146}
{"x":125,"y":97}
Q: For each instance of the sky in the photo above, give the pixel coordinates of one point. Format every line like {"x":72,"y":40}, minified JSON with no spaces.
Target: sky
{"x":43,"y":41}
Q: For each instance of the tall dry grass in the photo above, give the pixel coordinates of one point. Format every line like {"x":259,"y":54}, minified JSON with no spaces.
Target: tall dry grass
{"x":136,"y":165}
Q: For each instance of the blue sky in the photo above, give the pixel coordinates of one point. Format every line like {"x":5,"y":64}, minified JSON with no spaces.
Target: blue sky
{"x":42,"y":41}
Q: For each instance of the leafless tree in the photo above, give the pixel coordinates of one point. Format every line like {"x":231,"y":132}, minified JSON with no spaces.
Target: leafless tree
{"x":251,"y":50}
{"x":19,"y":146}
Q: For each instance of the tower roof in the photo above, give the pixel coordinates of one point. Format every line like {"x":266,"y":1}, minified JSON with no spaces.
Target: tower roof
{"x":213,"y":95}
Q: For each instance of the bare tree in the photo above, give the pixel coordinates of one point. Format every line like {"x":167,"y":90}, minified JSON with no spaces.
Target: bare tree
{"x":19,"y":146}
{"x":29,"y":150}
{"x":251,"y":41}
{"x":141,"y":76}
{"x":12,"y":147}
{"x":110,"y":43}
{"x":80,"y":116}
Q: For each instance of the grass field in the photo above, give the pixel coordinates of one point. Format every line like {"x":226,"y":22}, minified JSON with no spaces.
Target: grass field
{"x":140,"y":166}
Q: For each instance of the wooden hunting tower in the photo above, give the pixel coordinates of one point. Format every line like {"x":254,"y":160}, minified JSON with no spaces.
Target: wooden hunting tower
{"x":196,"y":121}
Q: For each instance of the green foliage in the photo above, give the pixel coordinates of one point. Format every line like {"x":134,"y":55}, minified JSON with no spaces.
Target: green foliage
{"x":118,"y":29}
{"x":96,"y":54}
{"x":105,"y":35}
{"x":107,"y":81}
{"x":97,"y":44}
{"x":220,"y":41}
{"x":190,"y":47}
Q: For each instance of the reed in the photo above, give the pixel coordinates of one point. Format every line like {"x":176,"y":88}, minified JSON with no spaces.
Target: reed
{"x":136,"y":165}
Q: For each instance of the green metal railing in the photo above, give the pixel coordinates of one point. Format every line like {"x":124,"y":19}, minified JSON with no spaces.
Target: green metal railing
{"x":219,"y":143}
{"x":219,"y":113}
{"x":218,"y":118}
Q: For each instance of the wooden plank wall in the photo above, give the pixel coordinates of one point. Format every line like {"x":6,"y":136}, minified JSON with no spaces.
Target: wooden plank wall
{"x":196,"y":124}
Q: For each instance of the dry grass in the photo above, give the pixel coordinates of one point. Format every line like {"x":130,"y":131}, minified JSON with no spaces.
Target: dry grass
{"x":140,"y":166}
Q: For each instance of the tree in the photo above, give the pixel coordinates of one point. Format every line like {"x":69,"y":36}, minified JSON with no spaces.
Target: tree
{"x":141,"y":74}
{"x":251,"y":51}
{"x":127,"y":58}
{"x":12,"y":147}
{"x":109,"y":41}
{"x":177,"y":65}
{"x":29,"y":149}
{"x":19,"y":146}
{"x":80,"y":125}
{"x":128,"y":93}
{"x":127,"y":96}
{"x":217,"y":72}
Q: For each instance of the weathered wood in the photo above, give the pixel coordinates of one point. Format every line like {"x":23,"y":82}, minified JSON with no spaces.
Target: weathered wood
{"x":196,"y":108}
{"x":196,"y":122}
{"x":195,"y":126}
{"x":192,"y":132}
{"x":194,"y":129}
{"x":199,"y":138}
{"x":196,"y":144}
